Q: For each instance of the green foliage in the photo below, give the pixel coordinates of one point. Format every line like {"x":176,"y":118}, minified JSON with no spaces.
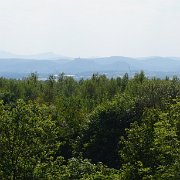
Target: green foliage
{"x":107,"y":124}
{"x":167,"y":143}
{"x":62,"y":128}
{"x":28,"y":135}
{"x":75,"y":169}
{"x":152,"y":148}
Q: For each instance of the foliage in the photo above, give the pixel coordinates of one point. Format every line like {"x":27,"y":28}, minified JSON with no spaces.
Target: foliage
{"x":75,"y":169}
{"x":97,"y":128}
{"x":152,"y":148}
{"x":28,"y":135}
{"x":107,"y":124}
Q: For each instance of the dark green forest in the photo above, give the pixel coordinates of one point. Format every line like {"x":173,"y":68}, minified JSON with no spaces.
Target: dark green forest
{"x":98,"y":128}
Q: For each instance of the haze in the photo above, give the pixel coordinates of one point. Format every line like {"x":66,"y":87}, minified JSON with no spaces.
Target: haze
{"x":89,"y":28}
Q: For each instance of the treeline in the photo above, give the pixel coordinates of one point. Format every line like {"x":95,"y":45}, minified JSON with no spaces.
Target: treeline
{"x":99,"y":128}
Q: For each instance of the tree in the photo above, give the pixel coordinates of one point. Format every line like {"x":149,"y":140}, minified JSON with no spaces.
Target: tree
{"x":75,"y":169}
{"x":28,"y":136}
{"x":167,"y":143}
{"x":152,"y":147}
{"x":99,"y":141}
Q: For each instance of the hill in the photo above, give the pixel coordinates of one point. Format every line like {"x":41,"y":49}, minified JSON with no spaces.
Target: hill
{"x":49,"y":63}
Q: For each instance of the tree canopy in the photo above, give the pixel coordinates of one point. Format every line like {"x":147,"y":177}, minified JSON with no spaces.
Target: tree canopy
{"x":96,"y":128}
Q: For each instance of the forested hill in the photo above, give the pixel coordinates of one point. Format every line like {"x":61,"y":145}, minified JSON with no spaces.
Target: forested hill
{"x":96,"y":128}
{"x":45,"y":64}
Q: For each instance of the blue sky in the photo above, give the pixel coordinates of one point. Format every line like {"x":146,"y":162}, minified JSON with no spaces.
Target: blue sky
{"x":91,"y":27}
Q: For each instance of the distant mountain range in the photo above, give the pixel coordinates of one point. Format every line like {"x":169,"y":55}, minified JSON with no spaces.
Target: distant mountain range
{"x":41,"y":56}
{"x":49,"y":63}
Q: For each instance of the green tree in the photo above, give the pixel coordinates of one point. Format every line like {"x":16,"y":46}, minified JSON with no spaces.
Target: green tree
{"x":152,"y":147}
{"x":99,"y":141}
{"x":28,"y":136}
{"x":167,"y":143}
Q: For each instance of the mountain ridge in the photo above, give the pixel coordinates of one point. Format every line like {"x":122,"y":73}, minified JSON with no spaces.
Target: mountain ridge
{"x":113,"y":64}
{"x":39,"y":56}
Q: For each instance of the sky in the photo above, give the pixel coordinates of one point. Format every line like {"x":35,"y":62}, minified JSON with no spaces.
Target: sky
{"x":91,"y":28}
